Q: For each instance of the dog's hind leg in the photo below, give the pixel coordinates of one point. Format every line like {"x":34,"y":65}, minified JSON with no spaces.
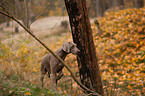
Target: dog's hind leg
{"x":43,"y":72}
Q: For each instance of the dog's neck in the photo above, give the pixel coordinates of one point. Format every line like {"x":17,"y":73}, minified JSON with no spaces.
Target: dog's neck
{"x":62,"y":54}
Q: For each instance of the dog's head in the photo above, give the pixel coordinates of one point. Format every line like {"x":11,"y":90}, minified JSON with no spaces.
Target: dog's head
{"x":70,"y":47}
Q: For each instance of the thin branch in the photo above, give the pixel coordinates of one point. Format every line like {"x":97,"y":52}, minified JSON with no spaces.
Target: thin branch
{"x":55,"y":24}
{"x":19,"y":12}
{"x":6,"y":13}
{"x":65,"y":65}
{"x":27,"y":13}
{"x":37,"y":17}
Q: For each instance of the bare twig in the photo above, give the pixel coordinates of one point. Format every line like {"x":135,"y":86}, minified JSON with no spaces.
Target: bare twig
{"x":6,"y":13}
{"x":27,"y":13}
{"x":37,"y":17}
{"x":65,"y":65}
{"x":19,"y":12}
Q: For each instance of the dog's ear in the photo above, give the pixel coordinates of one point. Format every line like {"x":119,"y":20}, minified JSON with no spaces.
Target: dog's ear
{"x":66,"y":47}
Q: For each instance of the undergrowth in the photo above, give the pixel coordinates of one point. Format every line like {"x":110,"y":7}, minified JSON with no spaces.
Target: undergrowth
{"x":13,"y":85}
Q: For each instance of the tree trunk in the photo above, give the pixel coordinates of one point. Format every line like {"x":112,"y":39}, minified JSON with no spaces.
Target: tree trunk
{"x":8,"y":24}
{"x":27,"y":13}
{"x":138,"y":3}
{"x":102,"y":7}
{"x":97,"y":8}
{"x":82,"y":36}
{"x":110,"y":3}
{"x":17,"y":5}
{"x":53,"y":6}
{"x":62,"y":8}
{"x":120,"y":3}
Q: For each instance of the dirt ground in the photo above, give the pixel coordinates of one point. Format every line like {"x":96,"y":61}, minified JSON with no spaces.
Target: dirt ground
{"x":42,"y":28}
{"x":39,"y":25}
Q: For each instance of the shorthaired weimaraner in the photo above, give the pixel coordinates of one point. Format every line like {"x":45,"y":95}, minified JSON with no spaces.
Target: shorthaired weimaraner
{"x":52,"y":65}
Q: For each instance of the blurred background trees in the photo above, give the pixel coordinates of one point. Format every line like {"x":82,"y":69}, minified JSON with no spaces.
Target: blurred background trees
{"x":56,"y":7}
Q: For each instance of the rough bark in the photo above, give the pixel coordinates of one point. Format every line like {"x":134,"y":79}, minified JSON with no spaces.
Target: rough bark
{"x":82,"y":36}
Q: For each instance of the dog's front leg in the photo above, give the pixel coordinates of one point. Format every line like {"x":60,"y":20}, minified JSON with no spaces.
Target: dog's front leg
{"x":53,"y":80}
{"x":53,"y":76}
{"x":59,"y":76}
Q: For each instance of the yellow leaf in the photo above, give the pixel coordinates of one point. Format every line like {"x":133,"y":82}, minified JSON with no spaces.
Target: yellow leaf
{"x":119,"y":62}
{"x":110,"y":70}
{"x":130,"y":26}
{"x":118,"y":46}
{"x":104,"y":79}
{"x":140,"y":29}
{"x":106,"y":51}
{"x":27,"y":93}
{"x":128,"y":86}
{"x":35,"y":70}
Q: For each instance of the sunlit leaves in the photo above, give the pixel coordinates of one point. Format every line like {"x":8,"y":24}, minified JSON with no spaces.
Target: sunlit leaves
{"x":122,"y":48}
{"x":27,"y":93}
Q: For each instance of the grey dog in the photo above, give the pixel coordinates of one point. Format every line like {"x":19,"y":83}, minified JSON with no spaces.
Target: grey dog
{"x":52,"y":65}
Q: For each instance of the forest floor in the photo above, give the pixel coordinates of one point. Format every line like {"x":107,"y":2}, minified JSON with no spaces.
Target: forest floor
{"x":120,"y":50}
